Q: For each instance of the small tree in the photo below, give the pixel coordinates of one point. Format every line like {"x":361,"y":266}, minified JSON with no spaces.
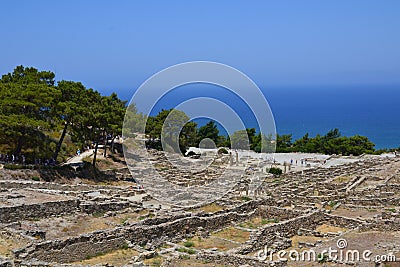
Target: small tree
{"x":275,"y":171}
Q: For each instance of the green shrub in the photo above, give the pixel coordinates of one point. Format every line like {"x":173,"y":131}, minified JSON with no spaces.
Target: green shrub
{"x":322,"y":258}
{"x":186,"y":250}
{"x":186,"y":257}
{"x":188,"y":244}
{"x":157,"y":262}
{"x":223,"y":150}
{"x":36,"y":178}
{"x":190,"y":251}
{"x":124,"y":220}
{"x":275,"y":171}
{"x":332,"y":203}
{"x":98,"y":214}
{"x":244,"y":198}
{"x":14,"y":167}
{"x":125,"y":246}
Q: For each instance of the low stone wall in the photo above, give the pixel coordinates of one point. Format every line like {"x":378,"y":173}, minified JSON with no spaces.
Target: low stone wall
{"x":373,"y":201}
{"x":280,"y":214}
{"x":78,"y":248}
{"x":92,"y":207}
{"x":267,"y":234}
{"x":236,"y":260}
{"x":40,"y":210}
{"x":344,"y":222}
{"x":53,"y":173}
{"x":382,"y":226}
{"x":15,"y":184}
{"x":60,"y":207}
{"x":6,"y":263}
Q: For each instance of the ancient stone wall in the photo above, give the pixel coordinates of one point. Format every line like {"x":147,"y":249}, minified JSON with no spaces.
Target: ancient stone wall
{"x":91,"y":207}
{"x":383,"y":225}
{"x":344,"y":222}
{"x":40,"y":210}
{"x":277,"y":213}
{"x":45,"y":209}
{"x":267,"y":234}
{"x":51,"y":186}
{"x":78,"y":248}
{"x":373,"y":201}
{"x":236,"y":260}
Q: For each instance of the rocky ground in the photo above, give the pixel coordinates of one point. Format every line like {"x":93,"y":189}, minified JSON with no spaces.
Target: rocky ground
{"x":74,"y":220}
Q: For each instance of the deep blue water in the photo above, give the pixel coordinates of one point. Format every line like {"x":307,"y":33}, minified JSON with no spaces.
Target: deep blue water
{"x":372,"y":111}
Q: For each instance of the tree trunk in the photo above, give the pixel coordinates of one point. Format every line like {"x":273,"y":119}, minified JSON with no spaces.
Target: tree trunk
{"x":19,"y":145}
{"x":95,"y":153}
{"x":105,"y":144}
{"x":58,"y":147}
{"x":112,"y":145}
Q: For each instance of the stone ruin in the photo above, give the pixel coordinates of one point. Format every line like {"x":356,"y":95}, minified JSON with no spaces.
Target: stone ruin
{"x":52,"y":224}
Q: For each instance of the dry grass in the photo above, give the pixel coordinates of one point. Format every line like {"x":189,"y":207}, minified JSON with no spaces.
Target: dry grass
{"x":307,"y":239}
{"x":342,"y":179}
{"x":211,"y":242}
{"x":355,"y":213}
{"x":154,"y":262}
{"x":119,"y":257}
{"x":75,"y":225}
{"x":257,"y":222}
{"x":233,"y":234}
{"x":8,"y":243}
{"x":105,"y":163}
{"x":325,"y":228}
{"x":194,"y":263}
{"x":211,"y":208}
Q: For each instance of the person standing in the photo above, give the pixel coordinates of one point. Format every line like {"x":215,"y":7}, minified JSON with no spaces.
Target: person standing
{"x":237,"y":157}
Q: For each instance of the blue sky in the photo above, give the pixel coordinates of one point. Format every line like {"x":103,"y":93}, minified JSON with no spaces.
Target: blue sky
{"x":117,"y":45}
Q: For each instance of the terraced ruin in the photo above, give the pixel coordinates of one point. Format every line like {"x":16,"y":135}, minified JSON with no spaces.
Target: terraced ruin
{"x":58,"y":224}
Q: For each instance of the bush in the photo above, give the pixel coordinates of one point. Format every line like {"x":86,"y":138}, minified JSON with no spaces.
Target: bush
{"x":14,"y":167}
{"x":245,"y":198}
{"x":223,"y":150}
{"x":125,"y":246}
{"x":36,"y":178}
{"x":275,"y":171}
{"x":322,"y":258}
{"x":188,"y":244}
{"x":186,"y":250}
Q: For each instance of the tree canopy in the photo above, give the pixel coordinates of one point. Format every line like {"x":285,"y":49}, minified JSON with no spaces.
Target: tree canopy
{"x":42,"y":118}
{"x":37,"y":114}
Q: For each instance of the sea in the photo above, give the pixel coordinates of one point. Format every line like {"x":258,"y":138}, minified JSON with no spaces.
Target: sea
{"x":372,"y":111}
{"x":367,"y":110}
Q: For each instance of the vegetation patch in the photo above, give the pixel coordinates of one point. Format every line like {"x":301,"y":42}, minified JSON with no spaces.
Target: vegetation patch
{"x":342,"y":179}
{"x":233,"y":234}
{"x":211,"y":242}
{"x":275,"y":171}
{"x":119,"y":257}
{"x":211,"y":208}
